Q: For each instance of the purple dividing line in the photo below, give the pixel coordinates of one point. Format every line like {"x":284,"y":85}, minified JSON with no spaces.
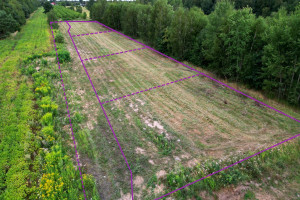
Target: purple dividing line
{"x":102,"y":108}
{"x":205,"y":76}
{"x":228,"y":166}
{"x":159,"y":86}
{"x":91,"y":33}
{"x":198,"y":72}
{"x":63,"y":86}
{"x":93,"y":58}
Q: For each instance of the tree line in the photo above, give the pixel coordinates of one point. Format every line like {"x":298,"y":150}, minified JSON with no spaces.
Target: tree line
{"x":260,"y":8}
{"x":260,"y":52}
{"x":13,"y":14}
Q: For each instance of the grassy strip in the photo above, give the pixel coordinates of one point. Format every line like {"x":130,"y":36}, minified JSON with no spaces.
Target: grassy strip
{"x":284,"y":158}
{"x":33,"y":162}
{"x":61,"y":178}
{"x":19,"y":136}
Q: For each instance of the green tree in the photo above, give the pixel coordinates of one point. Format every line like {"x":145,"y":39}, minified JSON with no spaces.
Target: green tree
{"x":7,"y":24}
{"x":281,"y":57}
{"x":79,"y":9}
{"x":160,"y":19}
{"x":144,"y":21}
{"x":47,"y":7}
{"x":213,"y":45}
{"x":90,"y":4}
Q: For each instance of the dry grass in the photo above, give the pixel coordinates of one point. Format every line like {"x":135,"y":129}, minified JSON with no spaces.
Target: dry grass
{"x":199,"y":117}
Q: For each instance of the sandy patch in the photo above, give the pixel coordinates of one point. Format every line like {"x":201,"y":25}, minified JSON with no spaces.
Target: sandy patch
{"x":151,"y":162}
{"x":125,"y":196}
{"x":159,"y":189}
{"x":139,"y":150}
{"x":138,"y":181}
{"x":161,"y":174}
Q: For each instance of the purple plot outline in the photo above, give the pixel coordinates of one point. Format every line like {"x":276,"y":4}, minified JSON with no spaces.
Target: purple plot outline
{"x":102,"y":107}
{"x":199,"y":73}
{"x":122,"y":52}
{"x":91,"y":33}
{"x":159,"y":86}
{"x":63,"y":86}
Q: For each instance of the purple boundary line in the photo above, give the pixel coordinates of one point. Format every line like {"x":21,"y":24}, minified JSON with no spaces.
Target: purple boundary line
{"x":63,"y":86}
{"x":93,"y":58}
{"x":221,"y":84}
{"x":198,"y":72}
{"x":102,"y":108}
{"x":91,"y":33}
{"x":228,"y":167}
{"x":159,"y":86}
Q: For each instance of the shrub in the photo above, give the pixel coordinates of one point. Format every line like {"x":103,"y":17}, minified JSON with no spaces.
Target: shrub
{"x":47,"y":105}
{"x":30,"y":70}
{"x":47,"y":119}
{"x":44,"y":62}
{"x":63,"y":56}
{"x":48,"y":133}
{"x":84,"y":15}
{"x":59,"y":38}
{"x":51,"y":17}
{"x":55,"y":25}
{"x":79,"y":9}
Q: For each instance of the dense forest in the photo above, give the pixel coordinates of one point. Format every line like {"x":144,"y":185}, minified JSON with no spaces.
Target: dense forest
{"x":236,"y":44}
{"x":13,"y":14}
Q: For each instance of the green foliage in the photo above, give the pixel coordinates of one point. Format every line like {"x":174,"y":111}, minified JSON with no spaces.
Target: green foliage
{"x":47,"y":7}
{"x":51,"y":17}
{"x":48,"y":105}
{"x":249,"y":195}
{"x":254,"y":168}
{"x":79,"y":9}
{"x":47,"y":119}
{"x":84,"y":15}
{"x":262,"y":53}
{"x":7,"y":24}
{"x":152,"y":181}
{"x":30,"y":168}
{"x":164,"y":145}
{"x":59,"y":38}
{"x":63,"y":56}
{"x":13,"y":14}
{"x":65,"y":13}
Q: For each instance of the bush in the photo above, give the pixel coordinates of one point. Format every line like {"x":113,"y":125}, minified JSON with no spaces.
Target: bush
{"x":79,"y":9}
{"x":51,"y":17}
{"x":55,"y":25}
{"x":84,"y":15}
{"x":47,"y":105}
{"x":47,"y":7}
{"x":63,"y":56}
{"x":59,"y":38}
{"x":47,"y":119}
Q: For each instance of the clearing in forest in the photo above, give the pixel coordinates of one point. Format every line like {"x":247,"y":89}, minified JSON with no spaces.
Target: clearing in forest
{"x":162,"y":113}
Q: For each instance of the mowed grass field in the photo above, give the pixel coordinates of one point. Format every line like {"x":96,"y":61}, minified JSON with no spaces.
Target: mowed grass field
{"x":184,"y":123}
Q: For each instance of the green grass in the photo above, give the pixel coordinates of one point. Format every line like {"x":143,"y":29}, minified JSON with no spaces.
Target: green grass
{"x":19,"y":137}
{"x":282,"y":159}
{"x":33,"y":161}
{"x":193,"y":114}
{"x":66,"y":14}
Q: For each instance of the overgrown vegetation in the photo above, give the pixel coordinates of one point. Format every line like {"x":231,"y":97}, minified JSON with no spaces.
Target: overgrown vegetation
{"x":65,"y":13}
{"x":34,"y":164}
{"x":13,"y":14}
{"x":282,"y":159}
{"x":262,"y":53}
